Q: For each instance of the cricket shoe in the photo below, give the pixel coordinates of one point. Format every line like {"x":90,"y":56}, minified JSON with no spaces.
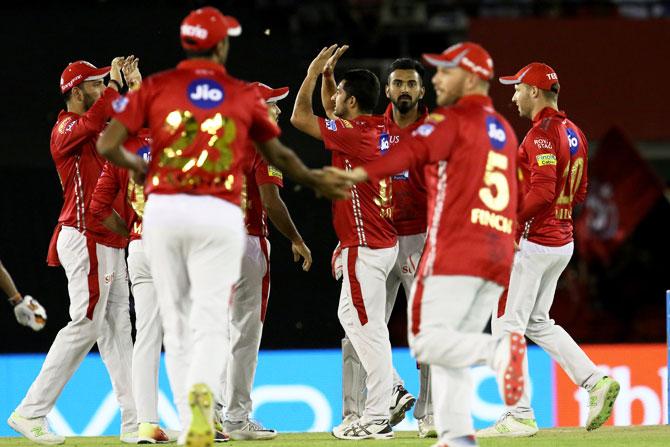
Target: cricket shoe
{"x":508,"y":363}
{"x":509,"y":426}
{"x":401,"y":402}
{"x":601,"y":400}
{"x":35,"y":429}
{"x":149,"y":433}
{"x":248,"y":430}
{"x":200,"y":432}
{"x":219,"y":434}
{"x":427,"y":427}
{"x":374,"y":429}
{"x":347,"y":421}
{"x":461,"y":441}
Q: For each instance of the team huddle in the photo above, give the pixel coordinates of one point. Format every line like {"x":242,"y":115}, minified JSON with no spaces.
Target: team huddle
{"x":185,"y":169}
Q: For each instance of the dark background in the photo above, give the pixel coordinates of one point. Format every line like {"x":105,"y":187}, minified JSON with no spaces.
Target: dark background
{"x":611,"y":58}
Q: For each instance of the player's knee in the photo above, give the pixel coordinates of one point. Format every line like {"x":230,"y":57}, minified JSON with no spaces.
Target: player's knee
{"x":536,"y":328}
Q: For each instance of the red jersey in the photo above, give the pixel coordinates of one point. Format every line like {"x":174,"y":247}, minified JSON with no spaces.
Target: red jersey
{"x":409,"y":188}
{"x":255,"y":218}
{"x":470,"y":153}
{"x":365,"y":220}
{"x":201,"y":120}
{"x":116,"y":181}
{"x":552,"y":175}
{"x":79,"y":165}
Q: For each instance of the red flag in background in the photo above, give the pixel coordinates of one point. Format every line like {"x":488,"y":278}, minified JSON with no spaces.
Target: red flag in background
{"x":622,"y":190}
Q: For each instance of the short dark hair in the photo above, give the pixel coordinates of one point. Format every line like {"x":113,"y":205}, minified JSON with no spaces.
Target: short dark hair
{"x":406,"y":63}
{"x":551,"y":94}
{"x":364,"y":86}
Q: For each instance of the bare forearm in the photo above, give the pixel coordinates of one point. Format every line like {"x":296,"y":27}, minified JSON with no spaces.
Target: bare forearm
{"x":303,"y":112}
{"x":281,"y":219}
{"x":286,"y":161}
{"x":328,"y":88}
{"x":114,"y":223}
{"x":7,"y":285}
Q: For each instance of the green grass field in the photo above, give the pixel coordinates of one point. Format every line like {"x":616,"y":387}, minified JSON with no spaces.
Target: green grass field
{"x":649,"y":436}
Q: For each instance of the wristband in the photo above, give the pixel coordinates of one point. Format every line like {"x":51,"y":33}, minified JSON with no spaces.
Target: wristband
{"x":118,"y":84}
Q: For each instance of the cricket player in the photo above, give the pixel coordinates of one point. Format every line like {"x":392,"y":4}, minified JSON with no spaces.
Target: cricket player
{"x":27,"y":310}
{"x":552,"y":174}
{"x":149,"y":333}
{"x":363,"y":226}
{"x":250,"y":300}
{"x":92,"y":256}
{"x":201,"y":120}
{"x":469,"y":152}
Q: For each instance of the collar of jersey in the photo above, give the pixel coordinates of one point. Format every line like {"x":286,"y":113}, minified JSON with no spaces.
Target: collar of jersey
{"x":548,"y":112}
{"x":193,"y":64}
{"x":423,"y":113}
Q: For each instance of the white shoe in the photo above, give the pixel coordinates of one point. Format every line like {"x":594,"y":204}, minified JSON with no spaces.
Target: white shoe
{"x":509,"y":426}
{"x":427,"y":427}
{"x":131,"y":437}
{"x":508,"y":363}
{"x":375,"y":429}
{"x":401,"y":402}
{"x":248,"y":430}
{"x":36,"y":429}
{"x":348,"y":420}
{"x":601,"y":400}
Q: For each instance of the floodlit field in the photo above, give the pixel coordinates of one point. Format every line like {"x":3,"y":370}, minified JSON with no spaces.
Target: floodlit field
{"x":649,"y":436}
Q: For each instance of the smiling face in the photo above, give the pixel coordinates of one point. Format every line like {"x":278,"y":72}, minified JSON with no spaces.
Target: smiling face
{"x":404,"y":89}
{"x":449,"y":84}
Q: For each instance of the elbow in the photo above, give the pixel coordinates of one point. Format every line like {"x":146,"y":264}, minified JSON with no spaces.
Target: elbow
{"x":102,"y":146}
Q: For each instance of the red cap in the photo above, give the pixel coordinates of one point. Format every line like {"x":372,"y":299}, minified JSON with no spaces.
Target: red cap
{"x":467,"y":55}
{"x":78,"y":72}
{"x":205,"y":27}
{"x":270,"y":94}
{"x":536,"y":73}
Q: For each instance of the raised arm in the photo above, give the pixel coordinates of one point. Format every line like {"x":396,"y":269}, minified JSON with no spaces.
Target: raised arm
{"x":328,"y":83}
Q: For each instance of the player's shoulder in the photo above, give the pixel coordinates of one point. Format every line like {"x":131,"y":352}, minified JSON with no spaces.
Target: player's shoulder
{"x":64,"y":124}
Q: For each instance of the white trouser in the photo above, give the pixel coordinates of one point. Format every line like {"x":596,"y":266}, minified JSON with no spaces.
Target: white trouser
{"x":149,"y":336}
{"x":449,"y":314}
{"x":194,"y":245}
{"x":247,"y":315}
{"x":99,"y":312}
{"x":531,"y":293}
{"x":362,"y":314}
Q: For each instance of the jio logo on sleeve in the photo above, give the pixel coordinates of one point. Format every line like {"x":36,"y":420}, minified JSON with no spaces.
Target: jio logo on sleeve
{"x":384,"y":142}
{"x":573,"y":141}
{"x":496,"y":132}
{"x":205,"y":93}
{"x":145,"y":153}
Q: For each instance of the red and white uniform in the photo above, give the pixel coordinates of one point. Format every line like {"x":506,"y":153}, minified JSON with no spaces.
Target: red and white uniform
{"x":364,"y":226}
{"x":201,"y":121}
{"x":469,"y":151}
{"x":94,"y":262}
{"x":250,"y":300}
{"x":552,"y":174}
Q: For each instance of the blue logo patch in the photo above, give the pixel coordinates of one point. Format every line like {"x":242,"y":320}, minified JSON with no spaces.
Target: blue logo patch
{"x":331,"y":125}
{"x":384,"y":142}
{"x":145,"y":152}
{"x":424,"y":130}
{"x":404,"y":175}
{"x":120,"y":104}
{"x":205,"y":93}
{"x":496,"y":132}
{"x":573,"y":141}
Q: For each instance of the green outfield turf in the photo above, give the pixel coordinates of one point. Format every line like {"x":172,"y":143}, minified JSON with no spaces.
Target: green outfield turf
{"x":649,"y":436}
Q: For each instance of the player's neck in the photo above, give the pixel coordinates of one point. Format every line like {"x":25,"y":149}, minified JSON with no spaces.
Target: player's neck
{"x":403,"y":120}
{"x":77,"y":108}
{"x":540,"y":106}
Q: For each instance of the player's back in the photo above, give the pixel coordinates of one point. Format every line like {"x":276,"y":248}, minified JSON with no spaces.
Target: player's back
{"x":472,"y":197}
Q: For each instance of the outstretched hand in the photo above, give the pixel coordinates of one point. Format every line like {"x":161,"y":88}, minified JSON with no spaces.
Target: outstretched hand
{"x":319,"y":62}
{"x":329,"y":68}
{"x":331,"y":185}
{"x":131,"y":72}
{"x":353,"y":177}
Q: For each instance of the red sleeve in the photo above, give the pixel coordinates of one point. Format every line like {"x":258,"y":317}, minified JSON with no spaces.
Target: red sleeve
{"x":105,"y":192}
{"x":131,"y":110}
{"x":266,"y":173}
{"x":580,"y":196}
{"x":430,"y":142}
{"x":262,"y":128}
{"x":73,"y":131}
{"x":340,"y":135}
{"x":541,"y":149}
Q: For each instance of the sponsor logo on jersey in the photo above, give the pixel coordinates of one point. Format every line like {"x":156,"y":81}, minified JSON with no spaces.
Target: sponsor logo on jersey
{"x":543,"y":143}
{"x":331,"y":125}
{"x":435,"y":117}
{"x":145,"y":152}
{"x":205,"y":93}
{"x":274,"y":172}
{"x":496,"y":132}
{"x":384,"y":142}
{"x":347,"y":124}
{"x":194,"y":31}
{"x":424,"y":130}
{"x":66,"y":125}
{"x":546,"y":159}
{"x":573,"y":141}
{"x":404,"y":175}
{"x":120,"y":104}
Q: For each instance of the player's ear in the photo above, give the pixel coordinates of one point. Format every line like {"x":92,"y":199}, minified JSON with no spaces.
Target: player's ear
{"x":387,"y":90}
{"x":422,"y":91}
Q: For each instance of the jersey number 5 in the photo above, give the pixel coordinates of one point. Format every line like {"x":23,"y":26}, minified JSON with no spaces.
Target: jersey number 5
{"x":495,"y":194}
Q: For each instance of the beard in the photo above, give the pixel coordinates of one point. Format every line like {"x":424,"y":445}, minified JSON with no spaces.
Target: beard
{"x":405,"y":103}
{"x":88,"y":101}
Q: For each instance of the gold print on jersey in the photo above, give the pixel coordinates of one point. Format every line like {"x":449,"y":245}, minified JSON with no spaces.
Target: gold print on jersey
{"x":573,"y":173}
{"x":135,"y":196}
{"x":385,"y":199}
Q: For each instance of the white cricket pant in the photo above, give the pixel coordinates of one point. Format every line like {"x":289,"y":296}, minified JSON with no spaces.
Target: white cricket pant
{"x":531,"y":291}
{"x":149,"y":335}
{"x":409,"y":254}
{"x":194,"y":245}
{"x":247,"y":315}
{"x":99,"y":312}
{"x":447,"y":315}
{"x":362,"y":312}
